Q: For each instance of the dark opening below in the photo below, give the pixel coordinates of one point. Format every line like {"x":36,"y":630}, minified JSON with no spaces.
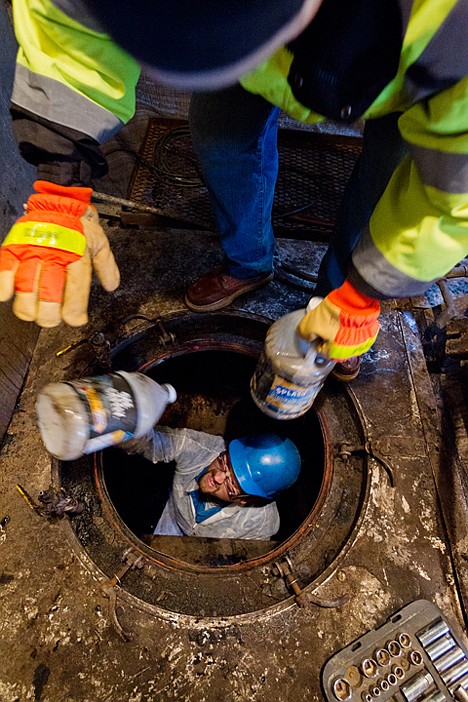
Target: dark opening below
{"x":213,"y":396}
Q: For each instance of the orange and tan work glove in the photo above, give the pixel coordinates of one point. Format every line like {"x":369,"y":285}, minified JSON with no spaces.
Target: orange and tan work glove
{"x":48,"y":256}
{"x":346,"y":320}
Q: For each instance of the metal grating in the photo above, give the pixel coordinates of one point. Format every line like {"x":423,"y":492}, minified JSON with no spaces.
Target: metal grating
{"x":313,"y":172}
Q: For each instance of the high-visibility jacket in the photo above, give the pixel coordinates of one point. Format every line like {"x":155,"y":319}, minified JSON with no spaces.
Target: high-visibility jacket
{"x":73,"y":89}
{"x":419,"y":228}
{"x":69,"y":71}
{"x":75,"y":83}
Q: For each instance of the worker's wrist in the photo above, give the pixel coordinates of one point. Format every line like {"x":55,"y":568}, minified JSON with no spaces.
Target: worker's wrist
{"x":350,"y":300}
{"x":66,"y":173}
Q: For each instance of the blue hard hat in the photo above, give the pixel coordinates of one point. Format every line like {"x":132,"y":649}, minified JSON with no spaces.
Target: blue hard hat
{"x":264,"y":464}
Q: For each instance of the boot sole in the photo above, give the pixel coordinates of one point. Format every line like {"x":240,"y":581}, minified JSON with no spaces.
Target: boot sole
{"x":226,"y":300}
{"x":345,"y":377}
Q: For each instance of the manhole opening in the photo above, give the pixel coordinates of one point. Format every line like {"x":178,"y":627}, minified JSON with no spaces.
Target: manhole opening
{"x":213,"y":396}
{"x":210,"y":360}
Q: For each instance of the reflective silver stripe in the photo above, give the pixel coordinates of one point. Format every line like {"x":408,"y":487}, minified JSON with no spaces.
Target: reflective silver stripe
{"x":377,"y":272}
{"x":442,"y":170}
{"x":78,"y":11}
{"x":444,"y":61}
{"x":58,"y":103}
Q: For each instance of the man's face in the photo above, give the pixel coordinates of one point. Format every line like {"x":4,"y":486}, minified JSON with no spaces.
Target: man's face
{"x":220,"y":480}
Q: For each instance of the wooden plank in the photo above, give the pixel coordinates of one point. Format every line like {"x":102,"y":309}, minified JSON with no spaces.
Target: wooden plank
{"x":17,"y":342}
{"x":17,"y":339}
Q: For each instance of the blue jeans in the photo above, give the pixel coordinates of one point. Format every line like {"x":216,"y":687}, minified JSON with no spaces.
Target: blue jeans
{"x":234,"y":135}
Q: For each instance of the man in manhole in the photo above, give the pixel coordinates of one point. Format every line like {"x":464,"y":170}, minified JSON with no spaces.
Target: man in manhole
{"x":219,"y":490}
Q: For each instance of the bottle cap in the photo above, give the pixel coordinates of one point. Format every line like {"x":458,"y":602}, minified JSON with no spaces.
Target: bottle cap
{"x":313,"y":302}
{"x":171,"y":392}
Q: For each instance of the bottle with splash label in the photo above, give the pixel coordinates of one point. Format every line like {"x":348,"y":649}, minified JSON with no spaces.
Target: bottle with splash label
{"x":290,"y":371}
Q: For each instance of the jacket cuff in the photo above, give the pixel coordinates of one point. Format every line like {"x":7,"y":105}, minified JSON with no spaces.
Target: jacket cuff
{"x":75,"y":173}
{"x":363,"y":286}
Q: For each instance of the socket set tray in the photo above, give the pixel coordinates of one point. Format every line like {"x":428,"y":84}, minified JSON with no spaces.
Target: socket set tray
{"x":414,"y":657}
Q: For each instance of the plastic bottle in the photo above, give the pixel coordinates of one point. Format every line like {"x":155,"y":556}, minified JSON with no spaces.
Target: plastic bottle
{"x":290,"y":372}
{"x":86,"y":415}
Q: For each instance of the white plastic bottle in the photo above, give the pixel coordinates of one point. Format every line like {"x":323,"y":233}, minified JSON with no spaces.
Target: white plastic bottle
{"x":290,"y":372}
{"x":86,"y":415}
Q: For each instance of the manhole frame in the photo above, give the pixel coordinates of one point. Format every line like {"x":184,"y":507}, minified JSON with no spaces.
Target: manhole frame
{"x":165,"y":560}
{"x":356,"y":463}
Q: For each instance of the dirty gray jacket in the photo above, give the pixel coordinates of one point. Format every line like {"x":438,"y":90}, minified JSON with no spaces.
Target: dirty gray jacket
{"x":193,"y":451}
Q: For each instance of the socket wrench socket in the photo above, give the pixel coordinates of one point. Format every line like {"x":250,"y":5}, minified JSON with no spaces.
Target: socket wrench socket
{"x":436,"y":696}
{"x":342,"y":689}
{"x":404,"y":640}
{"x":448,"y":660}
{"x":382,"y":657}
{"x":369,"y":667}
{"x":440,"y":646}
{"x":394,"y":648}
{"x":453,"y":674}
{"x":416,"y":657}
{"x":353,"y":676}
{"x":432,"y":632}
{"x":392,"y":679}
{"x":418,"y":684}
{"x":461,"y":682}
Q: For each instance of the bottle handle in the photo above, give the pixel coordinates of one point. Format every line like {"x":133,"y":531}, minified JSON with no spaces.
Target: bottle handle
{"x":314,"y":340}
{"x":313,"y":349}
{"x":313,"y":303}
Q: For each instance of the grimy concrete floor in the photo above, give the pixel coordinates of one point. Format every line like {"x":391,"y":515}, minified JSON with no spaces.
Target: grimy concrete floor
{"x":57,"y":643}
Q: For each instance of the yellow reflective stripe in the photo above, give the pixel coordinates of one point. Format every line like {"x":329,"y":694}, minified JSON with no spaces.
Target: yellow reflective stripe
{"x":45,"y":234}
{"x":54,"y":45}
{"x":426,"y":18}
{"x":420,"y":231}
{"x":337,"y":351}
{"x":439,"y":123}
{"x":270,"y":78}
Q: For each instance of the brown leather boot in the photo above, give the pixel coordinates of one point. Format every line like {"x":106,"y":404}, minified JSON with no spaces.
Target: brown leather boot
{"x":217,"y":289}
{"x":347,"y":370}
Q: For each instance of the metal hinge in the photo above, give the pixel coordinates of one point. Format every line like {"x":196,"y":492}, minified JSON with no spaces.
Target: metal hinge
{"x":345,"y":450}
{"x":285,"y":569}
{"x":101,"y":346}
{"x":131,"y":560}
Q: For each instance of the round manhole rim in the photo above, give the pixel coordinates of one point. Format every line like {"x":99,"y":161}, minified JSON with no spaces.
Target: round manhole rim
{"x":316,"y":577}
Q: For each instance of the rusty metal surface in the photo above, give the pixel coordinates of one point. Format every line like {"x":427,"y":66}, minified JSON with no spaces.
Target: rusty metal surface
{"x":313,"y":170}
{"x":329,"y":521}
{"x":57,"y":640}
{"x":444,"y":402}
